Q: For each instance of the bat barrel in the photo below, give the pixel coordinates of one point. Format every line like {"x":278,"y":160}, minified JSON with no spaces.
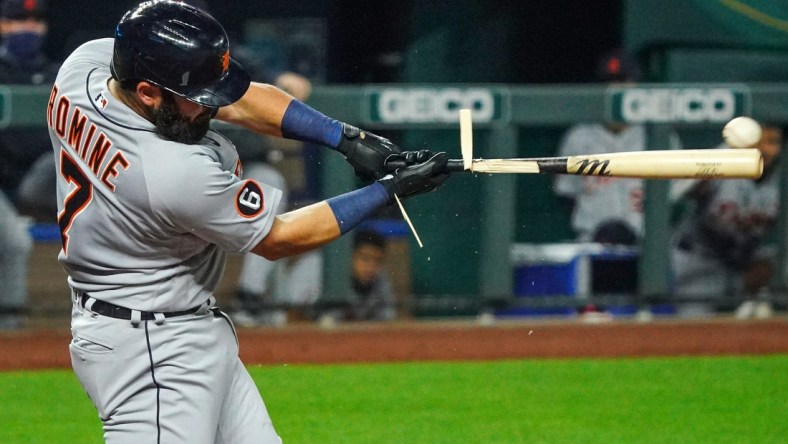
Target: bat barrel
{"x":671,"y":164}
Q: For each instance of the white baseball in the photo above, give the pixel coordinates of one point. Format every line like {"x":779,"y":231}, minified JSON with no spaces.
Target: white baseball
{"x":742,"y":132}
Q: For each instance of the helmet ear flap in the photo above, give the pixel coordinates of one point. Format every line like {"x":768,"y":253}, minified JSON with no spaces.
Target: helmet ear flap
{"x":180,"y":48}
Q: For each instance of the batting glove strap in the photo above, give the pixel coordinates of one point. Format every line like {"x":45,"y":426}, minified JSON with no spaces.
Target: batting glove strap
{"x":366,"y":152}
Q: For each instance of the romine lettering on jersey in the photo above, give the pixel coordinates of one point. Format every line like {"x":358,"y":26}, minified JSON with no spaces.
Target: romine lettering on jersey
{"x":93,"y":147}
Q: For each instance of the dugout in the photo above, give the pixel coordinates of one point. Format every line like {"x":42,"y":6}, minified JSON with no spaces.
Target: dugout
{"x":689,"y":47}
{"x":469,"y":226}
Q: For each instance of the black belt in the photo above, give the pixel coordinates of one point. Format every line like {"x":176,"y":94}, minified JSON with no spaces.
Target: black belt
{"x":116,"y":311}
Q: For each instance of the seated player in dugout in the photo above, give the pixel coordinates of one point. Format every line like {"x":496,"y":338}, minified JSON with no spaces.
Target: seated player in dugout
{"x":151,"y":201}
{"x":372,"y":297}
{"x":23,"y":29}
{"x":23,"y":61}
{"x":721,"y":252}
{"x":606,"y":209}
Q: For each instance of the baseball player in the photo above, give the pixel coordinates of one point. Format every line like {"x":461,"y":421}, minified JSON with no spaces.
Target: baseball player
{"x":23,"y":28}
{"x":598,"y":201}
{"x":15,"y":246}
{"x":151,"y":200}
{"x":372,"y":298}
{"x":718,"y":245}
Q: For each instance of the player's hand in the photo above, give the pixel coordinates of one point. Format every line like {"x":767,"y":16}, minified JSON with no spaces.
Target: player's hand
{"x":417,"y":179}
{"x":406,"y":158}
{"x":366,"y":152}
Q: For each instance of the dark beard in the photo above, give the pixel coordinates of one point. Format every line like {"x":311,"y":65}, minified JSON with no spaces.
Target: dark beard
{"x":170,"y":124}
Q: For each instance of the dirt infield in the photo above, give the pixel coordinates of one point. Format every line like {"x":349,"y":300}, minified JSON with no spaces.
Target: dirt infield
{"x":452,"y":340}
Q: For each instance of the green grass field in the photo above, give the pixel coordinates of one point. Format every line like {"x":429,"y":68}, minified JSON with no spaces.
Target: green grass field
{"x":659,"y":400}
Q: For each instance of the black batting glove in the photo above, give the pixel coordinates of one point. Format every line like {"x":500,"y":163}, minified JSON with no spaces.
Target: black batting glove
{"x":417,"y":179}
{"x":406,"y":158}
{"x":366,"y":152}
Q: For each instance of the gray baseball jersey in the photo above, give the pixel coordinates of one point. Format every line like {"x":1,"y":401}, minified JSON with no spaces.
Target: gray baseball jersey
{"x":145,"y":222}
{"x":598,"y":198}
{"x":729,"y":222}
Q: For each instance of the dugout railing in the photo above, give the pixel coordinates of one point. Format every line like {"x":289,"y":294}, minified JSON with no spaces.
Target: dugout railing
{"x":500,"y":114}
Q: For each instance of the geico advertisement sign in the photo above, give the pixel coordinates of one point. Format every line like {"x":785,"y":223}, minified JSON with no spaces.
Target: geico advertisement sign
{"x":430,"y":105}
{"x":665,"y":105}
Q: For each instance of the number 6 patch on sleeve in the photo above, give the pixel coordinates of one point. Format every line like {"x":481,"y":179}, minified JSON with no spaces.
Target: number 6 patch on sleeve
{"x":249,"y":200}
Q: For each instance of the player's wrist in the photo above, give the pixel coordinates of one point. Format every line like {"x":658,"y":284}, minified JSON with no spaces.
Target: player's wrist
{"x":304,"y":123}
{"x":347,"y":141}
{"x":366,"y":152}
{"x":350,"y":209}
{"x":391,"y":187}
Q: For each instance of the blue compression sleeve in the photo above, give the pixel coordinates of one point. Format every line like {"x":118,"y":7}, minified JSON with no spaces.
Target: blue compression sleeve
{"x":352,"y":208}
{"x":304,"y":123}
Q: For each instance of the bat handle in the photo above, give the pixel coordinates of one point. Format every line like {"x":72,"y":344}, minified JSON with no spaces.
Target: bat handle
{"x":455,"y":166}
{"x":452,"y":166}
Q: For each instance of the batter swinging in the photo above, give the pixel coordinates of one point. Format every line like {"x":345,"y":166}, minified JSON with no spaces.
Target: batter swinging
{"x":150,"y":202}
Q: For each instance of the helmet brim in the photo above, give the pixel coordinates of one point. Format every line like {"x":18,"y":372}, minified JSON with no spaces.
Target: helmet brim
{"x":227,"y":90}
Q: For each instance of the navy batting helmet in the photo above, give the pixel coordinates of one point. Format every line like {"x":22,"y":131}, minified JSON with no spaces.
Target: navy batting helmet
{"x":181,"y":49}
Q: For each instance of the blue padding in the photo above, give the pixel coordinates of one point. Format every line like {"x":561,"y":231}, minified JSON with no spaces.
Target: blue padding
{"x":354,"y":207}
{"x":45,"y":232}
{"x":546,"y":279}
{"x":387,"y":227}
{"x":622,"y":310}
{"x":536,"y":311}
{"x":306,"y":124}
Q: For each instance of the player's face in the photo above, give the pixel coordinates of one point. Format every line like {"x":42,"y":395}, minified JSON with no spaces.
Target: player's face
{"x":21,"y":26}
{"x":181,"y":120}
{"x":367,"y":262}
